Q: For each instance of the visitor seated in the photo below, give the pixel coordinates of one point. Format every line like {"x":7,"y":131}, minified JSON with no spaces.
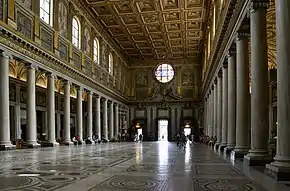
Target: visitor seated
{"x":88,"y":140}
{"x":77,"y":140}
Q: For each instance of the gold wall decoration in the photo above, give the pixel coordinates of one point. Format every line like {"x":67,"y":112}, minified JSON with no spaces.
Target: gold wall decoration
{"x":271,"y":35}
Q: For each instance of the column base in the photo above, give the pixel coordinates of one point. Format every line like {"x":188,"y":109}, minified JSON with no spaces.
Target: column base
{"x":222,"y":147}
{"x":67,"y":143}
{"x":228,"y":150}
{"x":33,"y":145}
{"x":239,"y":153}
{"x":256,"y":160}
{"x":279,"y":173}
{"x":46,"y":144}
{"x":216,"y":146}
{"x":7,"y":147}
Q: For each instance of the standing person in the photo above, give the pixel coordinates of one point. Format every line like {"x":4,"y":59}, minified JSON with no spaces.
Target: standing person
{"x":178,"y":139}
{"x":140,"y":137}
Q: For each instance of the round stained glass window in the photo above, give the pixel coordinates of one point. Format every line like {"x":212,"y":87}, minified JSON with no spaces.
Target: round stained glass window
{"x":164,"y":73}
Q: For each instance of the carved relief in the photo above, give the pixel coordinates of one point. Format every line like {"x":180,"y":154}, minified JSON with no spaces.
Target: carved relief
{"x":87,"y":41}
{"x":141,"y":80}
{"x":24,"y":24}
{"x":164,"y":92}
{"x":25,"y":3}
{"x":187,"y":78}
{"x":62,"y":19}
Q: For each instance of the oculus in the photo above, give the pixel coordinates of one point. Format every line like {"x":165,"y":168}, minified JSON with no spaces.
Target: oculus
{"x":164,"y":73}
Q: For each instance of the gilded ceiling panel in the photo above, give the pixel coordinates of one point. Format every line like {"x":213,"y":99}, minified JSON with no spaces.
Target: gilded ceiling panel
{"x":159,"y":28}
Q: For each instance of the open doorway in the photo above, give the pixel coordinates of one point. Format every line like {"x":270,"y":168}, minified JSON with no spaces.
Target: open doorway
{"x":162,"y":130}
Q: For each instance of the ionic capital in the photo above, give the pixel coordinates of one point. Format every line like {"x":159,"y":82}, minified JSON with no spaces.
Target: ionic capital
{"x":5,"y":54}
{"x":259,"y":4}
{"x":242,"y":34}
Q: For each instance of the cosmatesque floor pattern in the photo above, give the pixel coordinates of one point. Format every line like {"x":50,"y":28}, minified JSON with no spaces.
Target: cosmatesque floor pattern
{"x":148,"y":166}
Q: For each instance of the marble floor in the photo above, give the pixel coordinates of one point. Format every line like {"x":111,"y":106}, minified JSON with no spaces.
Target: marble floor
{"x":148,"y":166}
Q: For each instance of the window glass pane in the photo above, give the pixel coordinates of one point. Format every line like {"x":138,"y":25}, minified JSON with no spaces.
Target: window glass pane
{"x":164,"y":73}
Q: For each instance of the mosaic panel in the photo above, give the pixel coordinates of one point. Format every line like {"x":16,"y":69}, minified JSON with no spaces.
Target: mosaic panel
{"x":77,"y":59}
{"x":88,"y":69}
{"x":24,"y":24}
{"x":63,"y":50}
{"x":46,"y":38}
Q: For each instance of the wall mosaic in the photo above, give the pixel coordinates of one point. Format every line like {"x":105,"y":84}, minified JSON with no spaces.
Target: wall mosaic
{"x":46,"y":38}
{"x":77,"y":58}
{"x":141,"y":79}
{"x":24,"y":24}
{"x":62,"y":19}
{"x":187,"y":77}
{"x":63,"y":49}
{"x":25,"y":3}
{"x":87,"y":41}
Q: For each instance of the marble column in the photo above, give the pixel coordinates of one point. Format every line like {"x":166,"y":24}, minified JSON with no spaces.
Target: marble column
{"x":212,"y":111}
{"x":51,"y":110}
{"x":224,"y":108}
{"x":116,"y":119}
{"x":231,"y":138}
{"x":219,"y":110}
{"x":79,"y":131}
{"x":173,"y":126}
{"x":215,"y":109}
{"x":149,"y":129}
{"x":105,"y":119}
{"x":204,"y":116}
{"x":154,"y":113}
{"x":258,"y":154}
{"x":66,"y":123}
{"x":58,"y":125}
{"x":111,"y":120}
{"x":280,"y":168}
{"x":242,"y":96}
{"x":5,"y":143}
{"x":178,"y":115}
{"x":31,"y":129}
{"x":98,"y":117}
{"x":90,"y":115}
{"x":17,"y":113}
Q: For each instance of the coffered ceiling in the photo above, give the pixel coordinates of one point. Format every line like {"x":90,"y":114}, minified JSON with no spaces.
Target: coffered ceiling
{"x":160,"y":29}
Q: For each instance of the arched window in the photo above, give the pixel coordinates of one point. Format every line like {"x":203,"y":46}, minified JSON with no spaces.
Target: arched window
{"x":46,"y":11}
{"x":110,"y":63}
{"x":96,"y":51}
{"x":76,"y":32}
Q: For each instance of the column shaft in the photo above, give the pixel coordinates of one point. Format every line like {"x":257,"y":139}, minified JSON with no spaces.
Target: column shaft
{"x":280,"y":168}
{"x":219,"y":110}
{"x":98,"y":118}
{"x":5,"y":142}
{"x":215,"y":118}
{"x":116,"y":120}
{"x":232,"y":94}
{"x":18,"y":112}
{"x":111,"y":123}
{"x":259,"y":87}
{"x":50,"y":109}
{"x":105,"y":119}
{"x":31,"y":108}
{"x":90,"y":115}
{"x":224,"y":107}
{"x":58,"y":125}
{"x":80,"y":113}
{"x":242,"y":126}
{"x":67,"y":135}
